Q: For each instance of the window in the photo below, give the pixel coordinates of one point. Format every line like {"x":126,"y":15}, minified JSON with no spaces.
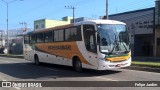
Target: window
{"x":26,"y":39}
{"x":79,"y":35}
{"x":89,"y":38}
{"x":73,"y":34}
{"x":48,"y":36}
{"x":33,"y":38}
{"x":67,"y":34}
{"x":40,"y":38}
{"x":55,"y":35}
{"x":42,"y":25}
{"x":158,"y":41}
{"x":61,"y":35}
{"x":36,"y":27}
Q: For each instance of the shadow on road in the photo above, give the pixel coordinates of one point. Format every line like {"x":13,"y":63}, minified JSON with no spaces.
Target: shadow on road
{"x":31,"y":71}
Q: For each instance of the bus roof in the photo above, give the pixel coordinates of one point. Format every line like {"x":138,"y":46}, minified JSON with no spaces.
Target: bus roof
{"x":100,"y":22}
{"x":81,"y":23}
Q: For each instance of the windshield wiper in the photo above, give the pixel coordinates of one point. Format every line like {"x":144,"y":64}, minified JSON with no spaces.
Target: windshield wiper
{"x":115,"y":44}
{"x":125,"y":48}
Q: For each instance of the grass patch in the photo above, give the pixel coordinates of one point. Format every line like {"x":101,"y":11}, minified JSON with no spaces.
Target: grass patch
{"x":152,"y":64}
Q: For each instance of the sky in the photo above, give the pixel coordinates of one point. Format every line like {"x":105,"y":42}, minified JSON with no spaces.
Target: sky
{"x":30,"y":10}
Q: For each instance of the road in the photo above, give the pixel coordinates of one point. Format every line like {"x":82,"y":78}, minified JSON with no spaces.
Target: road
{"x":13,"y":69}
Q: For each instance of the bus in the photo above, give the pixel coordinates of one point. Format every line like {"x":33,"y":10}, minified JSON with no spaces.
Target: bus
{"x":94,"y":44}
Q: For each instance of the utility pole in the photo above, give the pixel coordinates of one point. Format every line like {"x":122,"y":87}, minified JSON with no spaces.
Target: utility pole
{"x":25,"y":26}
{"x":24,"y":30}
{"x":7,"y":4}
{"x":73,"y":8}
{"x":107,"y":9}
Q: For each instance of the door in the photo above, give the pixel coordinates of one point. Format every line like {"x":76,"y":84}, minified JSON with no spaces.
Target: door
{"x":90,"y":44}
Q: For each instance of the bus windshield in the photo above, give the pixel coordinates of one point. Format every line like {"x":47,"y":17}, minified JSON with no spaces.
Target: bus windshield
{"x":113,"y":38}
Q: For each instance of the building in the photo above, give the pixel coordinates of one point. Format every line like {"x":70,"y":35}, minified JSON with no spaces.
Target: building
{"x":140,"y":24}
{"x":15,"y":37}
{"x":47,"y":23}
{"x":2,"y":38}
{"x":157,"y":28}
{"x":82,"y":19}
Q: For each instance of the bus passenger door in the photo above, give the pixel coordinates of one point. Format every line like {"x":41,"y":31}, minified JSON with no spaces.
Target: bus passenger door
{"x":90,"y":44}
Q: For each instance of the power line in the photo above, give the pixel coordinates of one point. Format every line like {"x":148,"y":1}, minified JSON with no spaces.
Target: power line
{"x":62,"y":9}
{"x":74,"y":4}
{"x":73,"y":8}
{"x":35,"y":8}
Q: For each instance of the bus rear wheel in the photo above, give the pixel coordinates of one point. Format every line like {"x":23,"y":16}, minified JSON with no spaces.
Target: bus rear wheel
{"x":36,"y":60}
{"x":77,"y":65}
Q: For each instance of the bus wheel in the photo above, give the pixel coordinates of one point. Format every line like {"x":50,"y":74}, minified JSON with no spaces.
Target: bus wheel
{"x":77,"y":65}
{"x":36,"y":60}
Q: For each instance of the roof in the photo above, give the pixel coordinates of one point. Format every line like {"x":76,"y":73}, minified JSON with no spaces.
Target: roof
{"x":140,"y":10}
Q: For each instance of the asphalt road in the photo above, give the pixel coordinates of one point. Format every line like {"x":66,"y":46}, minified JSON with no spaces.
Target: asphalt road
{"x":13,"y":69}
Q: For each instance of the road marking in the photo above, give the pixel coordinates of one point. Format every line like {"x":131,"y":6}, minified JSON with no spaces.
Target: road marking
{"x":51,"y":69}
{"x":106,"y":79}
{"x":24,"y":64}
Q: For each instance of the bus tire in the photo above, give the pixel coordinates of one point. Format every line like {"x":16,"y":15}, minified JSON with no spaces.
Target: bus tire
{"x":36,"y":60}
{"x":77,"y":65}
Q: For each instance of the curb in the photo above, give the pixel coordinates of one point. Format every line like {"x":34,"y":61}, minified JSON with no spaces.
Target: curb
{"x":21,"y":57}
{"x":144,"y":68}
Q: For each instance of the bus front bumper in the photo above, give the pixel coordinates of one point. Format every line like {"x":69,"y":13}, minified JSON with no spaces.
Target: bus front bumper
{"x":106,"y":65}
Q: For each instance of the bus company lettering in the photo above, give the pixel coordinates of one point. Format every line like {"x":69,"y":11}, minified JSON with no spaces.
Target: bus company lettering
{"x":61,"y":47}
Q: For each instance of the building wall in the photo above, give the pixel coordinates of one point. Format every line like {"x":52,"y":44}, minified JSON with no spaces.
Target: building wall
{"x":140,"y":24}
{"x":2,"y":38}
{"x":83,"y":19}
{"x":53,"y":23}
{"x":48,"y":23}
{"x":157,"y":28}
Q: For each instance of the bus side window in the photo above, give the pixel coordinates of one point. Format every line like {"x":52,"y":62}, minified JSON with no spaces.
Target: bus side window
{"x":79,"y":35}
{"x":56,"y":35}
{"x":67,"y":34}
{"x":61,"y":35}
{"x":89,"y":38}
{"x":40,"y":37}
{"x":33,"y":39}
{"x":26,"y":39}
{"x":48,"y":36}
{"x":73,"y":35}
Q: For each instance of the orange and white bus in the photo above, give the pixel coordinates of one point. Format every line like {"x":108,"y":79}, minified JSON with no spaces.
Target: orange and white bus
{"x":95,"y":44}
